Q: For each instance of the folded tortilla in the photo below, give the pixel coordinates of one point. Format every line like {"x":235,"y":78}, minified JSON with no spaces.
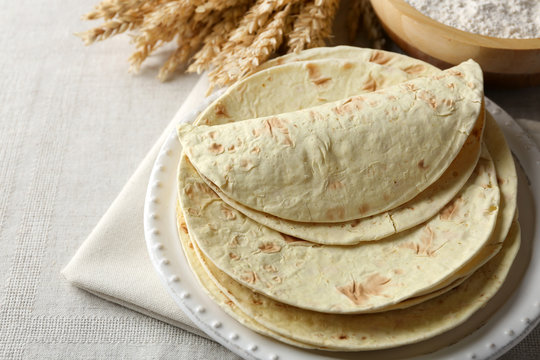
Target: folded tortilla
{"x":345,"y":78}
{"x":384,"y":147}
{"x":342,"y":279}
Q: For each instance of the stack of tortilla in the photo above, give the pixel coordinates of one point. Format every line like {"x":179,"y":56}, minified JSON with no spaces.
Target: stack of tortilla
{"x":349,"y":199}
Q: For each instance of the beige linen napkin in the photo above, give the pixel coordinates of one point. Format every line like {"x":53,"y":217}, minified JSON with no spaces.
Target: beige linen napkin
{"x":113,"y":262}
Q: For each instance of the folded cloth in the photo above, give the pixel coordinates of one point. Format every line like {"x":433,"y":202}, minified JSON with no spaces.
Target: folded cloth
{"x":113,"y":262}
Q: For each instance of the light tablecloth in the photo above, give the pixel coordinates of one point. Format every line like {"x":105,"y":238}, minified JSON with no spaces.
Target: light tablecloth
{"x":73,"y":128}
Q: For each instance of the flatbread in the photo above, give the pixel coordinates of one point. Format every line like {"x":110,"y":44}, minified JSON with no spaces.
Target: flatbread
{"x":302,"y":166}
{"x":390,"y":59}
{"x":354,"y":78}
{"x":361,"y":278}
{"x":329,"y":331}
{"x":365,"y":331}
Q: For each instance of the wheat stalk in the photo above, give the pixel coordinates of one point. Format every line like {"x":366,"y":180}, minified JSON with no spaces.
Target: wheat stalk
{"x":229,"y":37}
{"x":214,"y":42}
{"x":188,"y":45}
{"x":265,"y":43}
{"x":313,"y":25}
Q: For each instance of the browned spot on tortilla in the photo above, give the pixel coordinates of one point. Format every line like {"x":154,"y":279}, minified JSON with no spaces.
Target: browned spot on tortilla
{"x":256,"y":150}
{"x":216,"y":148}
{"x":410,"y":87}
{"x":421,"y":165}
{"x":455,"y":73}
{"x":276,"y":279}
{"x":342,"y":337}
{"x":455,"y":173}
{"x":269,"y":248}
{"x":313,"y":71}
{"x":233,"y":256}
{"x":471,"y":85}
{"x":363,"y":209}
{"x":427,"y":97}
{"x":450,"y":210}
{"x":200,"y":187}
{"x":380,"y":57}
{"x":391,"y":97}
{"x":335,"y":213}
{"x":348,"y":66}
{"x":249,"y":276}
{"x":184,"y":228}
{"x":256,"y":133}
{"x":500,"y":181}
{"x":425,"y":247}
{"x":414,"y":69}
{"x":246,"y":164}
{"x":370,"y":85}
{"x":364,"y":337}
{"x":334,"y":185}
{"x":212,"y":134}
{"x":321,"y":81}
{"x":398,"y":271}
{"x":354,"y":223}
{"x":256,"y":300}
{"x":359,"y":293}
{"x":191,"y":245}
{"x":351,"y":104}
{"x":281,"y":125}
{"x":220,"y":110}
{"x":373,"y":103}
{"x":449,"y":102}
{"x":451,"y":85}
{"x":234,"y":242}
{"x":227,"y":212}
{"x":270,"y":268}
{"x":231,"y":148}
{"x":294,"y":240}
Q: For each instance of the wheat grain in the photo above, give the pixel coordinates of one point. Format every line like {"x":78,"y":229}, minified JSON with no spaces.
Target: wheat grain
{"x":214,"y":42}
{"x":313,"y":25}
{"x":265,"y":43}
{"x":187,"y":45}
{"x":230,"y":37}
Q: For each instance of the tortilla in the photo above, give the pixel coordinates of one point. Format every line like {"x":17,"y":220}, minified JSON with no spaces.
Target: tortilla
{"x":304,"y":84}
{"x":302,"y":166}
{"x":339,"y":279}
{"x":389,"y":59}
{"x":357,"y":332}
{"x":349,"y":78}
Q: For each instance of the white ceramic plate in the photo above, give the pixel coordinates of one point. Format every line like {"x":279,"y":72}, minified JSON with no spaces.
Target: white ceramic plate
{"x":507,"y":318}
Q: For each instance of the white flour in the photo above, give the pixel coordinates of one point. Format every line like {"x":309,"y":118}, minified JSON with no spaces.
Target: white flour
{"x":518,"y":19}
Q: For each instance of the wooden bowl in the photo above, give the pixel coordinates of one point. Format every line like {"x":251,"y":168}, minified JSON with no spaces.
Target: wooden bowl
{"x":506,"y":62}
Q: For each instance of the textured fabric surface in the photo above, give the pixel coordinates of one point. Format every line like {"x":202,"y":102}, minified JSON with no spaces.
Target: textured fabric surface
{"x":74,"y":127}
